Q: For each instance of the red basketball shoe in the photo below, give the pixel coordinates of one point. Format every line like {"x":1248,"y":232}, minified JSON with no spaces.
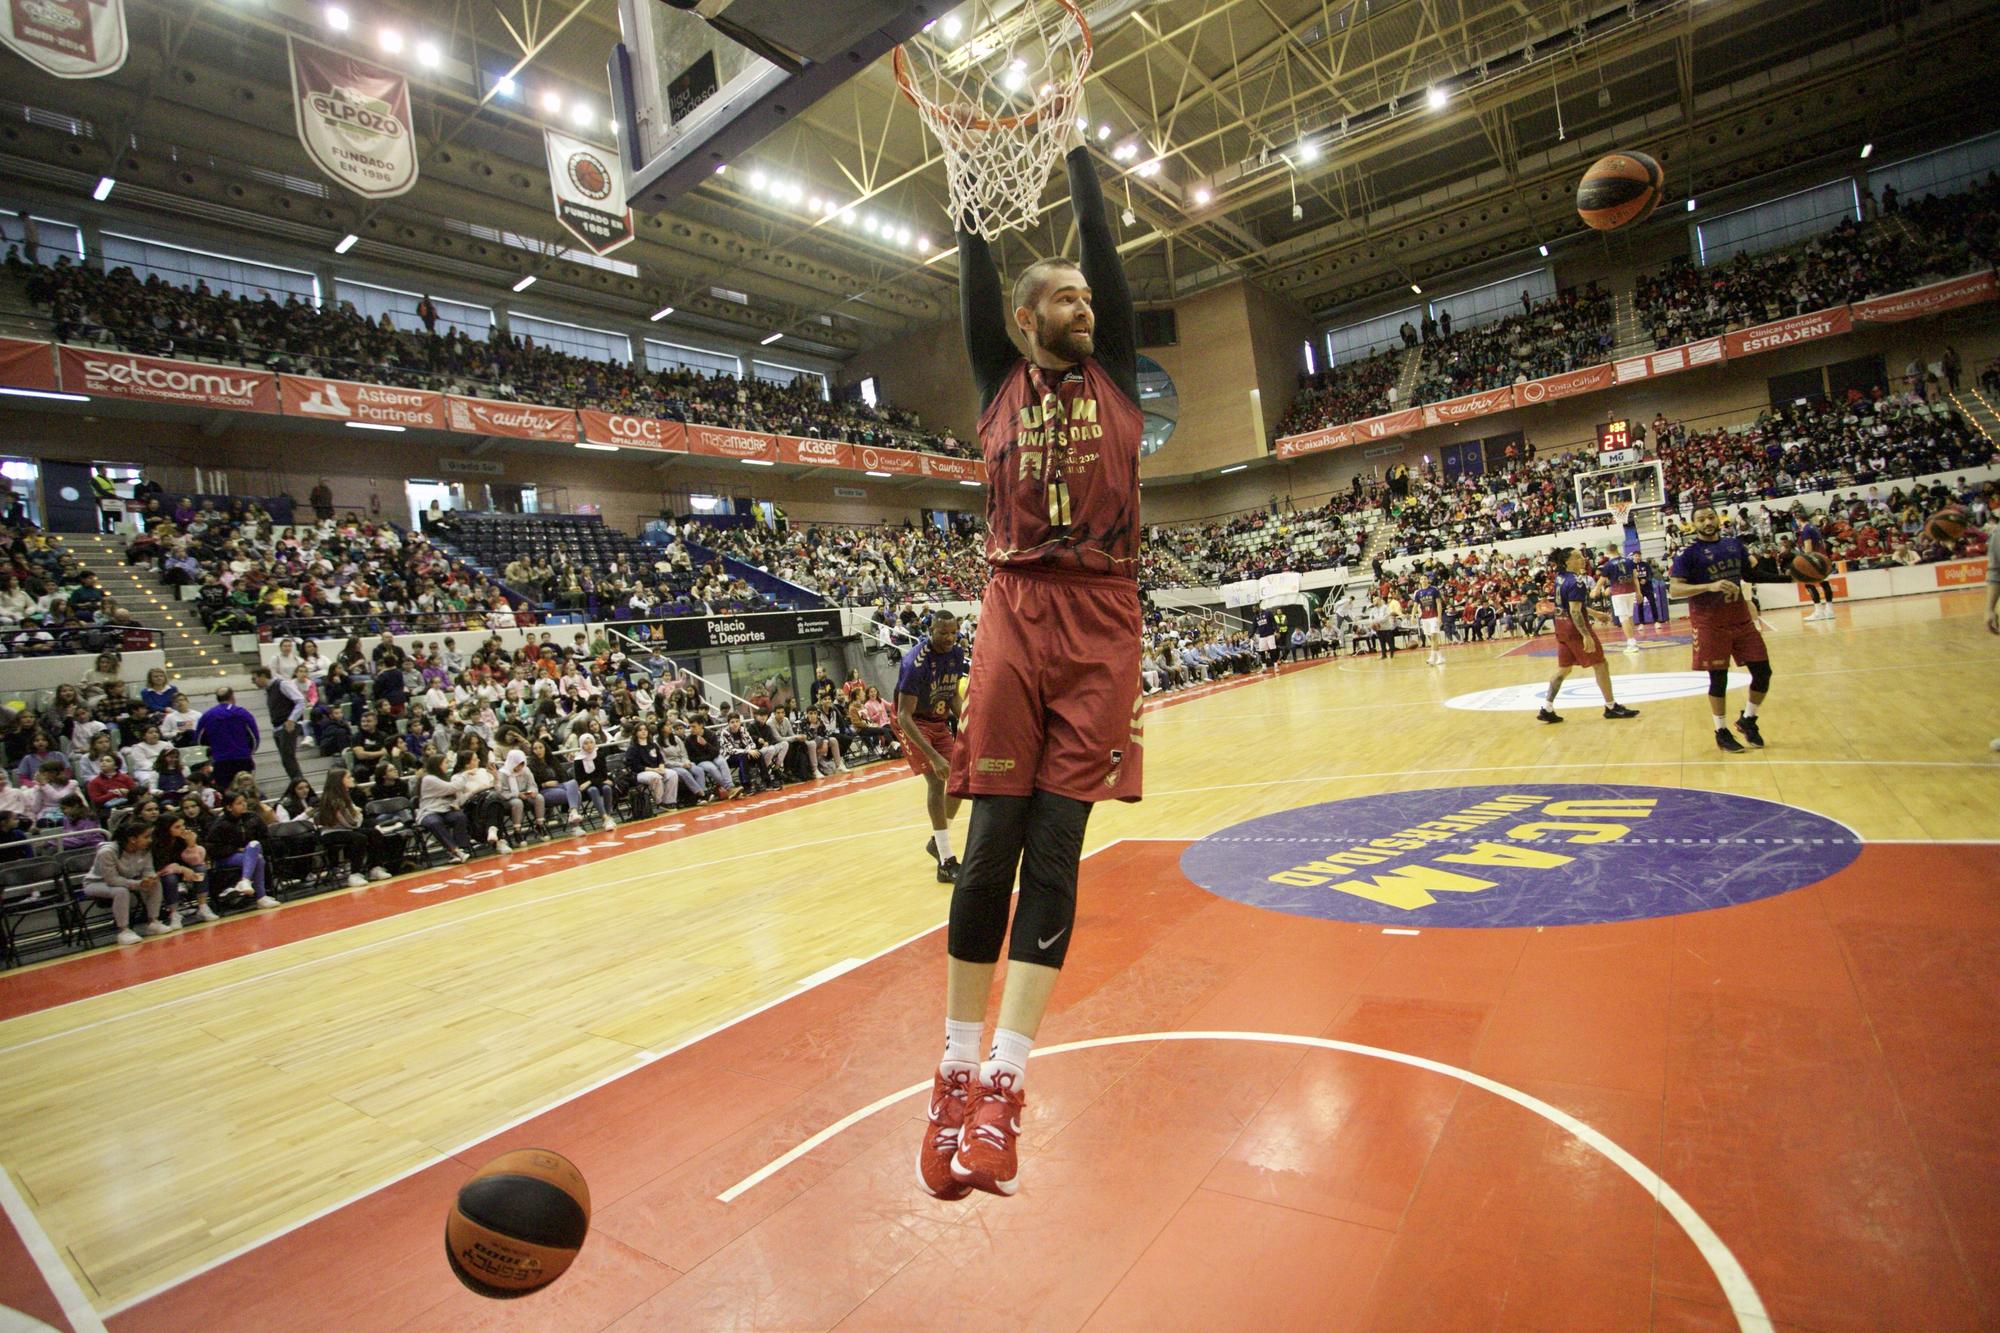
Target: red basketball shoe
{"x":951,"y":1094}
{"x":985,"y":1158}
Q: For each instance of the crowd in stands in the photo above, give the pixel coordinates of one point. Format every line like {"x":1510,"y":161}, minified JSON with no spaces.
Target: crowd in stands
{"x":322,"y":579}
{"x":1818,"y":445}
{"x":1571,"y":329}
{"x":437,"y":753}
{"x":1250,"y":546}
{"x":155,"y":317}
{"x":49,"y":603}
{"x":861,"y":566}
{"x":1933,"y":238}
{"x":1350,"y":391}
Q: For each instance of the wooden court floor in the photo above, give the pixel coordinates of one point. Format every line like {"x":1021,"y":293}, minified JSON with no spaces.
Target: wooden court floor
{"x":1776,"y":1112}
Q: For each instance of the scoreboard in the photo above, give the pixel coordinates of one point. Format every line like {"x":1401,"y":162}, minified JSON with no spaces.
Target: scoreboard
{"x":1614,"y":444}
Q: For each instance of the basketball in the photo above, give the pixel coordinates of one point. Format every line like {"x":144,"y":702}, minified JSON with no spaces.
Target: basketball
{"x":1619,"y":190}
{"x":1946,"y":526}
{"x":1810,"y":567}
{"x":517,"y":1224}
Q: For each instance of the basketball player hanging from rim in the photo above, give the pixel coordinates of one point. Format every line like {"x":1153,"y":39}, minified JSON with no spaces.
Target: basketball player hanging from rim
{"x":1052,"y":705}
{"x":1577,"y":643}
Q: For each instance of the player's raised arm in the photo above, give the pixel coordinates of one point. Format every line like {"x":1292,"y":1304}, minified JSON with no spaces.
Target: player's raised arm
{"x":1117,"y":334}
{"x":982,"y":313}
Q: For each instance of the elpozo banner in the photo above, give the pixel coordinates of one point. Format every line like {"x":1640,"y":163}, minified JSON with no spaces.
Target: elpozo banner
{"x":589,"y":187}
{"x":71,"y":39}
{"x":353,"y":118}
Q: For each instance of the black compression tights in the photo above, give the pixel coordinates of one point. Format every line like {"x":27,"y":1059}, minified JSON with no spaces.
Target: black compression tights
{"x":1042,"y":836}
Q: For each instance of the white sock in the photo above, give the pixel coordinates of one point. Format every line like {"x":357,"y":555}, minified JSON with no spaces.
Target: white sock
{"x":941,"y":839}
{"x":1749,"y":709}
{"x":961,"y":1042}
{"x":1722,"y":724}
{"x":1010,"y":1056}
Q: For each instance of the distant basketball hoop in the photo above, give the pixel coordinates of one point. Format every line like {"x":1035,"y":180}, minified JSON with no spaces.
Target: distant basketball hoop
{"x":999,"y":93}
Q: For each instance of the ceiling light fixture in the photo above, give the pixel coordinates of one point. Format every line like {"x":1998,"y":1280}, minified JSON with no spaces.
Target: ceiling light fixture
{"x":345,"y":243}
{"x":336,"y":18}
{"x":1308,"y":151}
{"x":1202,"y":196}
{"x":103,"y":190}
{"x":1418,"y":290}
{"x":1690,"y":205}
{"x":758,"y":180}
{"x":601,"y":448}
{"x":1867,"y":150}
{"x":964,"y":482}
{"x":1150,"y":168}
{"x":525,"y":283}
{"x":505,"y":86}
{"x":1544,"y":249}
{"x":661,"y":313}
{"x":872,"y":473}
{"x":1236,"y":468}
{"x":374,"y":425}
{"x":766,"y":342}
{"x":1103,"y":133}
{"x":391,"y":41}
{"x":952,"y":27}
{"x":552,"y":101}
{"x":1437,"y":97}
{"x":428,"y":55}
{"x":756,"y":462}
{"x":580,"y":115}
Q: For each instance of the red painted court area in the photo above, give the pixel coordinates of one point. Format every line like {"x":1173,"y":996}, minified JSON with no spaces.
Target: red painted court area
{"x":1816,"y":1074}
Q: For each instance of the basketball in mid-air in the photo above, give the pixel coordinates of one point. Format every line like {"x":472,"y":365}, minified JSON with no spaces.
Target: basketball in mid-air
{"x":518,"y":1223}
{"x":1946,"y":526}
{"x":1810,"y":567}
{"x":1619,"y":190}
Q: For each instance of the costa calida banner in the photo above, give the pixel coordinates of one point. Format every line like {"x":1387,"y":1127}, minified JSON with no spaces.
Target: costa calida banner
{"x":589,"y":185}
{"x":71,"y":39}
{"x":354,"y":120}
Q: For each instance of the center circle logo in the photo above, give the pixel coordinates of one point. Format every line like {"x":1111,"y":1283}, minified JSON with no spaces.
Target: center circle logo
{"x":1530,"y":854}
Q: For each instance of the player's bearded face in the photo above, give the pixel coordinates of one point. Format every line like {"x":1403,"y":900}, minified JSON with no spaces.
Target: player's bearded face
{"x":1707,"y":525}
{"x":1065,"y":325}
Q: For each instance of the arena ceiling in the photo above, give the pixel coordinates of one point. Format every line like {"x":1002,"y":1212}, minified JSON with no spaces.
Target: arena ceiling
{"x":1330,"y":152}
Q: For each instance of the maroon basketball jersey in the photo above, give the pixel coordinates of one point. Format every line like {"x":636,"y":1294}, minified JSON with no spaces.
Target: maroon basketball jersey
{"x":1062,"y":472}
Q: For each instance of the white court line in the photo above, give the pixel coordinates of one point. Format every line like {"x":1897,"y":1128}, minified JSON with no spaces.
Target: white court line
{"x":76,"y":1307}
{"x":640,"y":1061}
{"x":1744,"y":1302}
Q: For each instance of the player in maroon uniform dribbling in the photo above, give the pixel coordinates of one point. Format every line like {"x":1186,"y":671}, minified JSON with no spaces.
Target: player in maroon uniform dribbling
{"x":1052,"y":705}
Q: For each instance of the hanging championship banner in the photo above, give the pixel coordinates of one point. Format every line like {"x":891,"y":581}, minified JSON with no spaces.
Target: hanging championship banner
{"x":589,"y":185}
{"x":71,"y":39}
{"x":354,"y":120}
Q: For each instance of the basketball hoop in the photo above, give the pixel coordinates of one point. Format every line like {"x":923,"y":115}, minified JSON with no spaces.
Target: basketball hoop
{"x":999,"y":93}
{"x":1621,"y":512}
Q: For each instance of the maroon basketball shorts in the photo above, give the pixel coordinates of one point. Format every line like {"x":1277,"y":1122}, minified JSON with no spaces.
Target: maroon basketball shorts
{"x":1715,"y":644}
{"x":940,"y":737}
{"x":1573,"y":650}
{"x":1053,"y":701}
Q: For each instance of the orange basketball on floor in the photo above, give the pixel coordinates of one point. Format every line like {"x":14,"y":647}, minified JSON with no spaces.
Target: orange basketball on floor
{"x":1619,"y":190}
{"x":518,"y":1223}
{"x":1810,"y":567}
{"x":1946,"y":526}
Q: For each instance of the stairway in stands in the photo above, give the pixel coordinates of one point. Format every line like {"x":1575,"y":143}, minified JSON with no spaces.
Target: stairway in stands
{"x":1406,"y":379}
{"x":1628,"y":338}
{"x":198,"y":662}
{"x":194,"y":656}
{"x":1978,"y":409}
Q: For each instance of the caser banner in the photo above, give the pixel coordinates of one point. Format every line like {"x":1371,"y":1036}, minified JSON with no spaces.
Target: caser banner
{"x":354,"y":120}
{"x":589,"y":187}
{"x":71,"y":39}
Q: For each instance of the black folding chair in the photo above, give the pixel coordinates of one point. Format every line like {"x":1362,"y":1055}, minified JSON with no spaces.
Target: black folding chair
{"x":30,"y":889}
{"x":86,"y":913}
{"x":395,"y":818}
{"x":297,"y":861}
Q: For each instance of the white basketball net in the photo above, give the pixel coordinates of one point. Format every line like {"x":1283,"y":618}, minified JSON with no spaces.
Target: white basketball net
{"x":1002,"y":95}
{"x":1621,"y":511}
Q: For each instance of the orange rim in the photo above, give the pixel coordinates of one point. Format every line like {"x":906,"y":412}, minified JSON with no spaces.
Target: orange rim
{"x":997,"y":122}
